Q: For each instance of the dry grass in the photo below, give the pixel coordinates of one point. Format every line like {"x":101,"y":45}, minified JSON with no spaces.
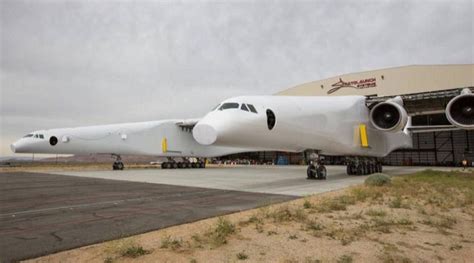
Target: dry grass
{"x":427,"y":216}
{"x":124,"y":248}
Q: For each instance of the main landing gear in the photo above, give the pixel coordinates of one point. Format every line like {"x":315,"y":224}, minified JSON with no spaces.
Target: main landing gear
{"x":363,"y":166}
{"x":118,"y":164}
{"x":186,"y":163}
{"x":316,"y":168}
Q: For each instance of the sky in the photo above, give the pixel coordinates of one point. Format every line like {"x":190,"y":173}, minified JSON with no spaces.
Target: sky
{"x":78,"y":63}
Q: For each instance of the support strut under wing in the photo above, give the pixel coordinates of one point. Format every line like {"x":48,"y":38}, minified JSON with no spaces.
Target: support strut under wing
{"x":187,"y":124}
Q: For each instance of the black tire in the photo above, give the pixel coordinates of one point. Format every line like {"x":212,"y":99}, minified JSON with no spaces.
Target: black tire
{"x":311,"y":172}
{"x":353,"y":169}
{"x":180,"y":165}
{"x":194,"y":165}
{"x":114,"y":166}
{"x":120,"y":166}
{"x":359,"y":170}
{"x":173,"y":165}
{"x":322,"y":172}
{"x":189,"y":165}
{"x":202,"y":165}
{"x":164,"y":165}
{"x":379,"y":168}
{"x":349,"y":169}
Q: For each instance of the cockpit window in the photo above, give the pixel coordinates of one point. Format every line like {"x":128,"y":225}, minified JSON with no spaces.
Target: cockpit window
{"x":244,"y":107}
{"x":28,"y":135}
{"x":252,"y":108}
{"x":229,"y":105}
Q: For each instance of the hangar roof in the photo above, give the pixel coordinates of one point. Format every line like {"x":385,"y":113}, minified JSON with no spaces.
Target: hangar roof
{"x":390,"y":82}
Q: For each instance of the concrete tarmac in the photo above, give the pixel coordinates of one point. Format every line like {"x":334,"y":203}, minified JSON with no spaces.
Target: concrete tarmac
{"x":286,"y":180}
{"x":46,"y":213}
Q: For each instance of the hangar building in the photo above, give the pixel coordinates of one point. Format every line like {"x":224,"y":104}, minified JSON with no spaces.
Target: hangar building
{"x":424,"y":88}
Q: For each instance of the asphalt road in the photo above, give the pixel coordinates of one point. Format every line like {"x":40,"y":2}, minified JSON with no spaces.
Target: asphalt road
{"x":46,"y":213}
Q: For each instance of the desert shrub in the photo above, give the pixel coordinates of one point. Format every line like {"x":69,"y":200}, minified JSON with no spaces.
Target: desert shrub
{"x":242,"y":256}
{"x":168,"y":242}
{"x":345,"y":259}
{"x":338,"y":203}
{"x":286,"y":214}
{"x":313,"y":225}
{"x":134,"y":251}
{"x":374,"y":212}
{"x":218,"y":235}
{"x":378,"y":179}
{"x":396,"y":202}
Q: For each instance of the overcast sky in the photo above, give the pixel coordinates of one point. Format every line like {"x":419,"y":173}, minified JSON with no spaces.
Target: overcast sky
{"x":73,"y":63}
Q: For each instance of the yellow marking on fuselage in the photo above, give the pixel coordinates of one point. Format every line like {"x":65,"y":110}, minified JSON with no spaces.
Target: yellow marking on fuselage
{"x":364,"y":141}
{"x":164,"y":145}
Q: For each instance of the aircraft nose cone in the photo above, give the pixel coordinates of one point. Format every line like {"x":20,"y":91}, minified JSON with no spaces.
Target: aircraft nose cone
{"x":204,"y":134}
{"x":13,"y":148}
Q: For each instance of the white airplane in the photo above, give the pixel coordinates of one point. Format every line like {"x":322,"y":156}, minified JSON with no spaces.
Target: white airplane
{"x":335,"y":125}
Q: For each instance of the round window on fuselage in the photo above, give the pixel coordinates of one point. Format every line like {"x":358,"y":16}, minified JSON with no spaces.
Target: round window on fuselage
{"x":53,"y":140}
{"x":271,"y":119}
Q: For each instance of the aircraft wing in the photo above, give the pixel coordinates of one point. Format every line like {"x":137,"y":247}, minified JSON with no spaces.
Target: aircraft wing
{"x":428,"y":103}
{"x":421,"y":103}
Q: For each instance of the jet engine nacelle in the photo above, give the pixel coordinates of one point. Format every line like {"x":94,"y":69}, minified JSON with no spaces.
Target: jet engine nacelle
{"x":460,"y":110}
{"x":390,"y":115}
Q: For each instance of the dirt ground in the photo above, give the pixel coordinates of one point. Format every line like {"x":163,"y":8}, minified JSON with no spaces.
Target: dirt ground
{"x":424,"y":217}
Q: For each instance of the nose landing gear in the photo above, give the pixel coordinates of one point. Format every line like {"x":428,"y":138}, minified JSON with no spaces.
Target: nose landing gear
{"x":118,"y":164}
{"x":316,"y":168}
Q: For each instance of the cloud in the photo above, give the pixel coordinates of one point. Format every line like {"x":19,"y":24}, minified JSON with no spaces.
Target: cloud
{"x":74,"y":63}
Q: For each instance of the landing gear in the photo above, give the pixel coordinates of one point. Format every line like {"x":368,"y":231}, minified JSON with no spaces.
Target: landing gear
{"x":118,"y":164}
{"x":316,"y":168}
{"x":185,"y":163}
{"x":363,"y":166}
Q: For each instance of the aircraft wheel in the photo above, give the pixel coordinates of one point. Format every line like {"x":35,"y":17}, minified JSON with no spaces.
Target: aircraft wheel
{"x":164,"y":165}
{"x":173,"y":165}
{"x":351,"y":169}
{"x":311,"y":172}
{"x":120,"y":166}
{"x":202,"y":165}
{"x":114,"y":166}
{"x":180,"y":165}
{"x":189,"y":165}
{"x":194,"y":165}
{"x":322,"y":172}
{"x":359,"y":170}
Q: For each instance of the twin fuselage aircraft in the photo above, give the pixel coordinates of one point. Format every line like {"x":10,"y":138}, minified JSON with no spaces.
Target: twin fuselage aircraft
{"x":329,"y":125}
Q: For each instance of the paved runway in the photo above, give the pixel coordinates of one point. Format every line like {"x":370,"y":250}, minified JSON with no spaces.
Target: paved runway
{"x":286,"y":180}
{"x":45,"y":213}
